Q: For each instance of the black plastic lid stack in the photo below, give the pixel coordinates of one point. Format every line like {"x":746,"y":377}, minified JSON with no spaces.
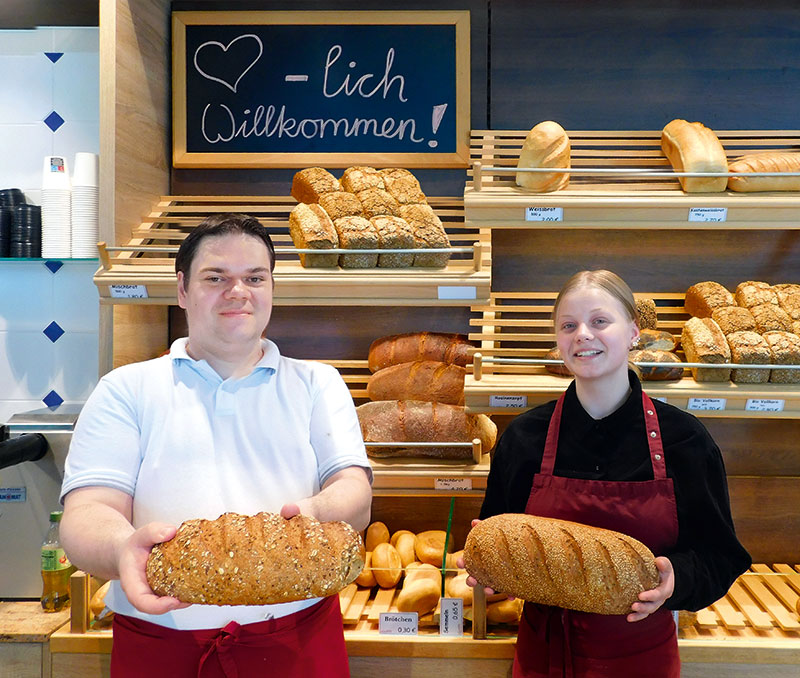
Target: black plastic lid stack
{"x":9,"y":197}
{"x":26,"y":232}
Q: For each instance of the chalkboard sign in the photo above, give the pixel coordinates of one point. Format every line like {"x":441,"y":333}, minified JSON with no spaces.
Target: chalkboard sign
{"x":294,"y":89}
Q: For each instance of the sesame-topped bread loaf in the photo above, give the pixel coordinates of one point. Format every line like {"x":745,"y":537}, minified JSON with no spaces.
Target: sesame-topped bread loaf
{"x":734,"y":319}
{"x":428,"y":233}
{"x":749,"y":348}
{"x":703,"y":297}
{"x":357,"y":179}
{"x":309,"y":184}
{"x":403,"y":185}
{"x":340,"y":204}
{"x":770,"y":317}
{"x":357,"y":233}
{"x":312,"y":228}
{"x":704,"y":342}
{"x":754,"y":292}
{"x":255,"y":560}
{"x":561,"y":563}
{"x":646,"y":314}
{"x":785,"y":347}
{"x":376,"y":202}
{"x":394,"y":233}
{"x":693,"y":147}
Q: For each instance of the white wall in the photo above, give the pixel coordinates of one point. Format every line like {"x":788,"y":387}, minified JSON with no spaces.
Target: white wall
{"x":32,"y":296}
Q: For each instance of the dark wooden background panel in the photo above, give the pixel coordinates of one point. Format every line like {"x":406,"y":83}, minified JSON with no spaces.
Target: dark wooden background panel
{"x":762,"y":447}
{"x":648,"y":260}
{"x":18,"y":14}
{"x":637,"y":64}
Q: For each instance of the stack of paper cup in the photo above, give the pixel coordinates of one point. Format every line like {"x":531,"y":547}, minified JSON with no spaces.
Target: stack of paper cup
{"x":85,"y":206}
{"x":56,"y":194}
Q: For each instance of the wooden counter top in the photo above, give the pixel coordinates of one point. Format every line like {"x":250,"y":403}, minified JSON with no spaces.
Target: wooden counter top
{"x":26,"y":622}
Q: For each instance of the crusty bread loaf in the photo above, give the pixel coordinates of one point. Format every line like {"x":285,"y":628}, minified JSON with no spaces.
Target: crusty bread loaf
{"x":360,"y":178}
{"x":394,"y":233}
{"x":402,"y":185}
{"x":561,"y":370}
{"x":340,"y":204}
{"x":704,"y":342}
{"x":693,"y":147}
{"x":403,"y":348}
{"x":755,"y":292}
{"x":789,"y":302}
{"x":733,"y":319}
{"x":672,"y":368}
{"x":416,"y":421}
{"x":428,"y":233}
{"x":749,"y":348}
{"x":560,"y":563}
{"x":771,"y":317}
{"x":771,"y":161}
{"x":420,"y":380}
{"x":356,"y":233}
{"x":309,"y":184}
{"x":311,"y":228}
{"x":376,"y":202}
{"x":702,"y":298}
{"x":655,"y":340}
{"x":255,"y":560}
{"x":546,"y":145}
{"x":646,"y":314}
{"x":785,"y":348}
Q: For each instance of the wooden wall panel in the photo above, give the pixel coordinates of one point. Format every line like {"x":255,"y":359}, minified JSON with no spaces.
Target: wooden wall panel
{"x":32,"y":13}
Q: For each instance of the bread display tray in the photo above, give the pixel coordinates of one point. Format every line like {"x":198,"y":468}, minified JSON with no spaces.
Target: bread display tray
{"x":517,"y":325}
{"x":142,"y":271}
{"x":600,"y":196}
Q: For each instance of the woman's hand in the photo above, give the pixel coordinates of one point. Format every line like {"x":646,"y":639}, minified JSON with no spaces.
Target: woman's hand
{"x":471,"y":581}
{"x":650,"y":601}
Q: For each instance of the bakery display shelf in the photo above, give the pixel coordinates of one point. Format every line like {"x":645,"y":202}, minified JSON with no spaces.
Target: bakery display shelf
{"x":622,"y":180}
{"x":142,"y":270}
{"x":518,"y":326}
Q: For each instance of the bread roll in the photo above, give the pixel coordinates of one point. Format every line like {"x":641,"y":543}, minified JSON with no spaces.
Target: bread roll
{"x":366,"y":578}
{"x":405,"y":548}
{"x":377,"y":533}
{"x":693,"y":147}
{"x":98,"y":601}
{"x":396,"y":536}
{"x":312,"y":228}
{"x":561,"y":563}
{"x":355,"y":179}
{"x":404,"y":348}
{"x":457,"y":587}
{"x":255,"y":560}
{"x":672,"y":368}
{"x":426,"y":380}
{"x":416,"y":421}
{"x":418,"y":571}
{"x":429,"y":546}
{"x":561,"y":370}
{"x":702,"y":298}
{"x":402,"y":185}
{"x":655,"y":340}
{"x":504,"y":611}
{"x":646,"y":314}
{"x":749,"y":348}
{"x":733,"y":319}
{"x":704,"y":342}
{"x":420,"y":596}
{"x":771,"y":161}
{"x":546,"y":145}
{"x":386,"y":565}
{"x":309,"y":184}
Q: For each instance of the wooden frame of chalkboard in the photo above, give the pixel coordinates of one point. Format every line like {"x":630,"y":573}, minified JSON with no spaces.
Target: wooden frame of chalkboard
{"x":335,"y":89}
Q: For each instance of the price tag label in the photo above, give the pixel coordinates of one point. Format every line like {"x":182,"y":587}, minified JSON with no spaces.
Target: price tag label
{"x":451,"y":617}
{"x":459,"y":292}
{"x":508,"y":401}
{"x":128,"y":291}
{"x":544,"y":214}
{"x":398,"y":623}
{"x":764,"y":405}
{"x":452,"y":484}
{"x":708,"y":214}
{"x":707,"y":403}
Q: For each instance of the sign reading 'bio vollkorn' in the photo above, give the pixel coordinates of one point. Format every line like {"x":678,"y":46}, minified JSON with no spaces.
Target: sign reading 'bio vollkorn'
{"x":288,"y":89}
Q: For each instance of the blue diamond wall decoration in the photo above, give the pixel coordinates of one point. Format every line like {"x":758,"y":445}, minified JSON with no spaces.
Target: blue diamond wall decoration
{"x":53,"y":332}
{"x":53,"y":265}
{"x":52,"y":399}
{"x":54,"y":121}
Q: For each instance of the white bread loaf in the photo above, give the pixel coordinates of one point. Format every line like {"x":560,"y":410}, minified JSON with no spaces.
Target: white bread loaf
{"x":693,"y":147}
{"x":772,"y":161}
{"x":547,"y":145}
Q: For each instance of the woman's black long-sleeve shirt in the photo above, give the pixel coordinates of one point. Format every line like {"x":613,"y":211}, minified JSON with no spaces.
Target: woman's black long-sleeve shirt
{"x":708,"y":556}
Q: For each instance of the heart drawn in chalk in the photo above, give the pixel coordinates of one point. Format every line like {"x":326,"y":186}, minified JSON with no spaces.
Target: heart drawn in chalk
{"x":225,"y":48}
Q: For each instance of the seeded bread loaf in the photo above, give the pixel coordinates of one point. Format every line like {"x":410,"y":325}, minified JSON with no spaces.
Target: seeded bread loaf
{"x":402,"y":185}
{"x":340,"y":204}
{"x":255,"y":560}
{"x":376,"y":202}
{"x":771,"y":317}
{"x":646,"y":314}
{"x":790,"y":302}
{"x":427,"y":380}
{"x":312,"y":228}
{"x":546,"y":145}
{"x":560,"y":563}
{"x":702,"y":298}
{"x":785,"y":348}
{"x":309,"y":184}
{"x":749,"y":348}
{"x":772,"y":161}
{"x":754,"y":292}
{"x":671,"y":369}
{"x":356,"y":179}
{"x":428,"y":233}
{"x":403,"y":348}
{"x":693,"y":147}
{"x":394,"y":233}
{"x":704,"y":342}
{"x":733,"y":319}
{"x":356,"y":233}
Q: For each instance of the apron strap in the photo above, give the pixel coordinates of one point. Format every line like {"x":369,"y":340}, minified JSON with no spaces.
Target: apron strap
{"x":654,"y":441}
{"x":222,"y":646}
{"x":551,"y":443}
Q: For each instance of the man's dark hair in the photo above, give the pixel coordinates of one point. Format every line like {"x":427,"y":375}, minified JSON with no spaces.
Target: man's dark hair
{"x":216,"y":225}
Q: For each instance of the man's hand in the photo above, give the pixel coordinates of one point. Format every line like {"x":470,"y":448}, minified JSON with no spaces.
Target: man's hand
{"x":471,"y":581}
{"x":650,"y":601}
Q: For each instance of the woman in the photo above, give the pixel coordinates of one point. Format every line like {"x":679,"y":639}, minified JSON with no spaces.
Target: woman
{"x":607,"y":455}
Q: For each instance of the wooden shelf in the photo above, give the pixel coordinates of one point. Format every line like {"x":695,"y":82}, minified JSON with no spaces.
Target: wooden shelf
{"x":146,"y":262}
{"x":493,"y":200}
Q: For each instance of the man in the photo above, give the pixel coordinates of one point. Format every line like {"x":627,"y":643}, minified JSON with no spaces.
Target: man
{"x":221,"y":423}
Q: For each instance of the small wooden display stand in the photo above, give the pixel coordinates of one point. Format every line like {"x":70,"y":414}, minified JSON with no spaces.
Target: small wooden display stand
{"x":25,"y":630}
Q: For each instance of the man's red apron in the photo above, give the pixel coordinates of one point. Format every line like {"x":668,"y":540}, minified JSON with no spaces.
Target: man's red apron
{"x":556,"y":642}
{"x":305,"y":644}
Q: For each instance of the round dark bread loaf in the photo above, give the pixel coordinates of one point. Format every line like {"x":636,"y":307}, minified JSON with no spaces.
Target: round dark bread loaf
{"x":255,"y":560}
{"x":560,"y":563}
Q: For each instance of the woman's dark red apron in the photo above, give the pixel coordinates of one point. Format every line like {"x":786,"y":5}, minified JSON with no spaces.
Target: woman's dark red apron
{"x":301,"y":645}
{"x":556,"y":642}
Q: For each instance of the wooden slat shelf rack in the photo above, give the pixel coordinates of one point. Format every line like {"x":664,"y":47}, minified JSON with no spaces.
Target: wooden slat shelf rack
{"x":517,"y":325}
{"x":599,"y":196}
{"x":144,"y":266}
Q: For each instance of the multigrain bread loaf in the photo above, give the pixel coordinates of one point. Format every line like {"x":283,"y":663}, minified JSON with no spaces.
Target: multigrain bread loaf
{"x":772,"y":161}
{"x":789,"y":302}
{"x":770,"y":317}
{"x":546,"y":145}
{"x":340,"y":204}
{"x":754,"y":292}
{"x":428,"y":233}
{"x":403,"y":348}
{"x":357,"y":233}
{"x":702,"y":298}
{"x":749,"y":348}
{"x":704,"y":342}
{"x":671,"y":368}
{"x":785,"y":349}
{"x":693,"y":147}
{"x":646,"y":314}
{"x":734,"y":319}
{"x":427,"y":380}
{"x":309,"y":184}
{"x":560,"y":563}
{"x":394,"y":233}
{"x":416,"y":421}
{"x":376,"y":202}
{"x":356,"y":179}
{"x":255,"y":560}
{"x":655,"y":340}
{"x":312,"y":228}
{"x":561,"y":370}
{"x":402,"y":185}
